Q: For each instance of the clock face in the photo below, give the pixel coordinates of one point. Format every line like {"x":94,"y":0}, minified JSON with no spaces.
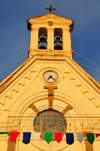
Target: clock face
{"x":50,"y":76}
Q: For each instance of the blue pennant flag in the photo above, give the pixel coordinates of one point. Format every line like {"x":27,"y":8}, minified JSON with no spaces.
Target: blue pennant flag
{"x":26,"y":137}
{"x":69,"y":138}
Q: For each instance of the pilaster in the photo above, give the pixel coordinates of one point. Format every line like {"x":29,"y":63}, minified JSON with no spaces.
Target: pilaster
{"x":11,"y":145}
{"x":50,"y":38}
{"x":66,"y":39}
{"x":34,"y":38}
{"x":88,"y":146}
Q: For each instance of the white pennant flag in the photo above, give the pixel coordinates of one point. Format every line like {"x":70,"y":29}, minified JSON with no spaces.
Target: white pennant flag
{"x":79,"y":137}
{"x":36,"y":136}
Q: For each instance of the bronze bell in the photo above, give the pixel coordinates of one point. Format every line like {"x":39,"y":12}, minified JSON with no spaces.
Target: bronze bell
{"x":42,"y":40}
{"x":58,"y":45}
{"x":42,"y":46}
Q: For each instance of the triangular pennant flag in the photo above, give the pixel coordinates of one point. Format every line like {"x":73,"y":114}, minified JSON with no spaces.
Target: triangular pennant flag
{"x":79,"y":137}
{"x":26,"y":137}
{"x":36,"y":136}
{"x":90,"y":137}
{"x":58,"y":137}
{"x":14,"y":136}
{"x":3,"y":132}
{"x":98,"y":134}
{"x":48,"y":137}
{"x":69,"y":138}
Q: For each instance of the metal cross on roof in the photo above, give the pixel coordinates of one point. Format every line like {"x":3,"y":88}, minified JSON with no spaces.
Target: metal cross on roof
{"x":50,"y":8}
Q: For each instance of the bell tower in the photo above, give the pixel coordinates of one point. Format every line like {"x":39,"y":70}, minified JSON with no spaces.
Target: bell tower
{"x":50,"y":33}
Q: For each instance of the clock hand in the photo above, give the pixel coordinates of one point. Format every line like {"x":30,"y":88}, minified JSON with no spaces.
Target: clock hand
{"x":49,"y":77}
{"x":52,"y":78}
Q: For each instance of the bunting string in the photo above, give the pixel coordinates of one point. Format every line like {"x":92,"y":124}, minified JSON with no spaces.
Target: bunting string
{"x":43,"y":51}
{"x":70,"y":137}
{"x":10,"y":66}
{"x":70,"y":85}
{"x":95,"y":78}
{"x":87,"y":58}
{"x":13,"y":56}
{"x":88,"y":67}
{"x":77,"y":62}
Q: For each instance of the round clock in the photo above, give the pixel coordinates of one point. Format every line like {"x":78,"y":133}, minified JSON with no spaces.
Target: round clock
{"x":50,"y":76}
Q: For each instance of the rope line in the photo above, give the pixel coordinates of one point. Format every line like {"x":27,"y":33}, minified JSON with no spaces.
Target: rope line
{"x":78,"y":88}
{"x":95,"y":78}
{"x":10,"y":66}
{"x":18,"y":99}
{"x":2,"y":79}
{"x":22,"y":94}
{"x":88,"y":66}
{"x":70,"y":84}
{"x":13,"y":56}
{"x":58,"y":63}
{"x":87,"y":59}
{"x":77,"y":62}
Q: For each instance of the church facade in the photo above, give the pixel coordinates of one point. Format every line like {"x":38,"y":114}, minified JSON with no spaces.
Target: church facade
{"x":49,"y":93}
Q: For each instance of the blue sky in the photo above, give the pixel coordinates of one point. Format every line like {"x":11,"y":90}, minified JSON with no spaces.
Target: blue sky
{"x":15,"y":38}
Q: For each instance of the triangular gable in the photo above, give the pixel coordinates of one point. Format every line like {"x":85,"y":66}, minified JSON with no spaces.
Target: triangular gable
{"x":50,"y":17}
{"x":13,"y":76}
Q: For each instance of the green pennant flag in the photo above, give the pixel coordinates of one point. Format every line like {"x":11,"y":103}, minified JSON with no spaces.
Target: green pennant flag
{"x":3,"y":132}
{"x":90,"y":138}
{"x":48,"y":137}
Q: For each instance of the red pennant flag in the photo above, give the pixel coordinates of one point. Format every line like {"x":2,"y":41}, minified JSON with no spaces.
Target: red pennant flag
{"x":97,"y":135}
{"x":14,"y":136}
{"x":58,"y":137}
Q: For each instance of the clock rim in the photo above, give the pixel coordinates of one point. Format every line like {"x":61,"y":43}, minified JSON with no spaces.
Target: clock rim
{"x":52,"y":71}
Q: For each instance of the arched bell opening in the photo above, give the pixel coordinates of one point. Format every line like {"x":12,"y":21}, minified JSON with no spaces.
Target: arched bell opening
{"x":58,"y":39}
{"x":42,"y":40}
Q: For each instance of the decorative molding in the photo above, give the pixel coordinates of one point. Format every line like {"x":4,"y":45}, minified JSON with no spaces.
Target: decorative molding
{"x":80,"y":86}
{"x":35,"y":29}
{"x":41,"y":95}
{"x":67,"y":108}
{"x":17,"y":90}
{"x":50,"y":29}
{"x":50,"y":94}
{"x":50,"y":23}
{"x":49,"y":17}
{"x":33,"y":107}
